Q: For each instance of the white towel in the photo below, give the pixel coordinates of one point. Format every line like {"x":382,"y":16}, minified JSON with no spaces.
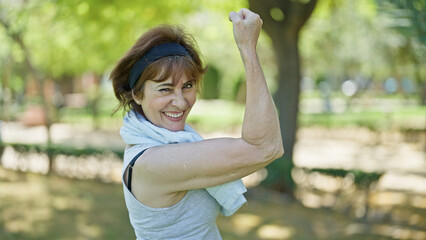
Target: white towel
{"x":137,"y":130}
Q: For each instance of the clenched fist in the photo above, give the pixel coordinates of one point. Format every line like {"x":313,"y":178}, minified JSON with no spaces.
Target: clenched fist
{"x":247,"y":25}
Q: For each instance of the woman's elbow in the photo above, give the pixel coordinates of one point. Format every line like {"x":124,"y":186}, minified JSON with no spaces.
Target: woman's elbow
{"x":273,"y":152}
{"x":266,"y":151}
{"x":278,"y":152}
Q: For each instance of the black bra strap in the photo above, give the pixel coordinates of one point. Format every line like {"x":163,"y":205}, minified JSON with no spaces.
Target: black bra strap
{"x":129,"y":176}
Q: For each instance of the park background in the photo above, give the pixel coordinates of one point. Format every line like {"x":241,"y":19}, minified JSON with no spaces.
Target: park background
{"x":348,"y":78}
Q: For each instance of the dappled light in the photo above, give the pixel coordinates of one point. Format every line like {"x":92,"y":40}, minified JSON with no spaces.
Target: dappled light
{"x":274,"y":232}
{"x":54,"y":207}
{"x":105,"y":166}
{"x":385,"y":231}
{"x":404,"y":182}
{"x":244,"y":223}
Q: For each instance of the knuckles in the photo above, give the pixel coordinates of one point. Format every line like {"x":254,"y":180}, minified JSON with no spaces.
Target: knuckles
{"x":246,"y":19}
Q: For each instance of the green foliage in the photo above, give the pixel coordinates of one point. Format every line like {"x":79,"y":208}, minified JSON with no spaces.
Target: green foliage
{"x":67,"y":39}
{"x":72,"y":37}
{"x":410,"y":17}
{"x":342,"y":39}
{"x":347,"y":39}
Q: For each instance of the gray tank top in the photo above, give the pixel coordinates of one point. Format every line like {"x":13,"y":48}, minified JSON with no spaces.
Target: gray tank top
{"x":194,"y":217}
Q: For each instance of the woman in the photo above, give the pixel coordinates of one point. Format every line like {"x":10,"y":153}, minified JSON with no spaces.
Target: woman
{"x":176,"y":183}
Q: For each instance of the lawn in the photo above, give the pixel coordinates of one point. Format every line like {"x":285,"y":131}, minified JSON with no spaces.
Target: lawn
{"x":221,"y":115}
{"x":34,"y":206}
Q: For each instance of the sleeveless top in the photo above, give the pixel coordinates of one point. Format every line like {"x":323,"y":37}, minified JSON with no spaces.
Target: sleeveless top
{"x":193,"y":217}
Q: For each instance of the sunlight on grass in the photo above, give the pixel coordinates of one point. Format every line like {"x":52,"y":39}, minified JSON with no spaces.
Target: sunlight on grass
{"x":26,"y":217}
{"x":36,"y":206}
{"x":272,"y":231}
{"x":419,"y":202}
{"x":87,"y":229}
{"x":245,"y":222}
{"x":394,"y":232}
{"x":388,"y":198}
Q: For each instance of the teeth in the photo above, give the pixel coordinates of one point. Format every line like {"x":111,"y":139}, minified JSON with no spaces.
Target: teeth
{"x":174,"y":115}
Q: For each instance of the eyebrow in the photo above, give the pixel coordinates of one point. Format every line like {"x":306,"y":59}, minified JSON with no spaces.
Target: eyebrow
{"x":166,"y":85}
{"x":171,"y":84}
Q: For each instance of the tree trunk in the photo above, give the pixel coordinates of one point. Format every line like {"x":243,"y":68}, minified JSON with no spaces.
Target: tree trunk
{"x":6,"y":92}
{"x":287,"y":95}
{"x":95,"y":96}
{"x":284,"y":34}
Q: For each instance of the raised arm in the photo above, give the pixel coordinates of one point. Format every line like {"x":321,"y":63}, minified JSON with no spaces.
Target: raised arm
{"x":261,"y":125}
{"x":175,"y":168}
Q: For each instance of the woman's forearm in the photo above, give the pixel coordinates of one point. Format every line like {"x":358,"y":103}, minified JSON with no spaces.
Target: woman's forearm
{"x":261,"y":125}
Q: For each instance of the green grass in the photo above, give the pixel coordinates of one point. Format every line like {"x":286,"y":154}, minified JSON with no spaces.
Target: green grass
{"x":376,"y":120}
{"x":222,"y":115}
{"x":50,"y":207}
{"x":35,"y":206}
{"x":410,"y":117}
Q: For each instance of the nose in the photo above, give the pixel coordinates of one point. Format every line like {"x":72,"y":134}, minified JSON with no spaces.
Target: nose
{"x":179,"y":100}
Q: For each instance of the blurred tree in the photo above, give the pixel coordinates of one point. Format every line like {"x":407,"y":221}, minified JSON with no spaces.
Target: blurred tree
{"x":59,"y":39}
{"x":409,"y":17}
{"x":409,"y":20}
{"x":5,"y":90}
{"x":15,"y":32}
{"x":338,"y":42}
{"x":240,"y":90}
{"x":282,"y":21}
{"x":354,"y":40}
{"x":75,"y":37}
{"x":210,"y":84}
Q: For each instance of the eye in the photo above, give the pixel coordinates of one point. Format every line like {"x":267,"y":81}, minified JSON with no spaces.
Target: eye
{"x":164,"y":90}
{"x":188,"y":85}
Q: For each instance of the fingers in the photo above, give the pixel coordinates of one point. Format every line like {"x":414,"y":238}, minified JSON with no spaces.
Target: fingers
{"x":233,"y":16}
{"x":243,"y":14}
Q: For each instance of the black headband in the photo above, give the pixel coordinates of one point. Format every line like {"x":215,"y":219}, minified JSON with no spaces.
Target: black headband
{"x":152,"y":55}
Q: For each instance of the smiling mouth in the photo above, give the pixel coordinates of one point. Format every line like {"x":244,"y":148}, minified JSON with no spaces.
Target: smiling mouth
{"x":173,"y":115}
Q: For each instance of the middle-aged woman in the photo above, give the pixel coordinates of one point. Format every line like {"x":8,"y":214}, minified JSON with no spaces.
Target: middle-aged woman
{"x":175,"y":183}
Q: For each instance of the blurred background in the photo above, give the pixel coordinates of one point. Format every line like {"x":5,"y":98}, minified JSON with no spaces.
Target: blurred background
{"x":349,"y":82}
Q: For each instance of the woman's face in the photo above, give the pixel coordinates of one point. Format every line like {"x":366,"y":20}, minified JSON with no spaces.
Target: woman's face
{"x":167,"y":104}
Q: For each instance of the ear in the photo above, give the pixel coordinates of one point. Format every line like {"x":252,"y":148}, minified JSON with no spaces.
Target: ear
{"x":134,"y":98}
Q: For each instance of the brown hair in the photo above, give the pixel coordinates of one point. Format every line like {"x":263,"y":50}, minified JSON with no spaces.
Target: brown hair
{"x":159,"y":70}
